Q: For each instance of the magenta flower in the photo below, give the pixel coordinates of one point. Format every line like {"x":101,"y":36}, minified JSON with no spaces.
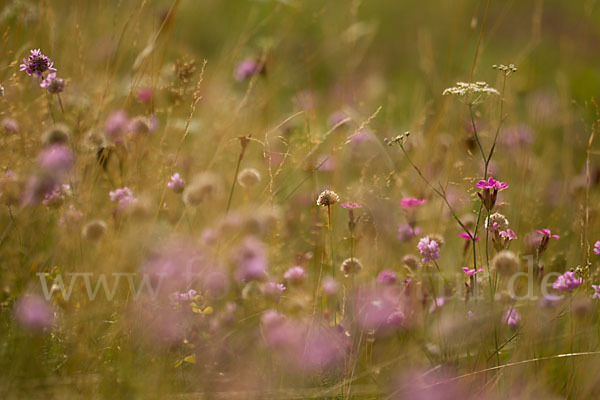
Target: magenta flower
{"x":386,"y":277}
{"x":597,"y":247}
{"x":123,"y":197}
{"x":546,"y":233}
{"x":492,"y":184}
{"x":273,"y":290}
{"x":37,"y":64}
{"x":57,"y":158}
{"x":466,"y":236}
{"x":412,"y":203}
{"x":252,"y":260}
{"x":330,"y":286}
{"x":246,"y":69}
{"x":176,"y":183}
{"x":145,"y":95}
{"x":295,"y":275}
{"x":429,"y":249}
{"x":596,"y":291}
{"x":512,"y":318}
{"x":567,"y":282}
{"x":116,"y":125}
{"x":491,"y":187}
{"x":352,"y":206}
{"x":34,"y":313}
{"x":471,"y":272}
{"x":53,"y":84}
{"x":508,"y":234}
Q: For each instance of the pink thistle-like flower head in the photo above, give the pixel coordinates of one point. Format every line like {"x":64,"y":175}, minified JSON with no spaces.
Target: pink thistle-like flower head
{"x":295,"y":275}
{"x":508,"y":234}
{"x":330,"y":286}
{"x":176,"y":183}
{"x":429,"y":249}
{"x":34,"y":313}
{"x":387,"y":277}
{"x":596,"y":291}
{"x":411,"y":203}
{"x":57,"y":159}
{"x":123,"y":197}
{"x":246,"y":69}
{"x":53,"y":84}
{"x":37,"y":64}
{"x":567,"y":282}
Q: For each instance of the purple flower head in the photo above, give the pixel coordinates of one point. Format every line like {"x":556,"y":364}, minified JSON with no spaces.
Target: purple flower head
{"x":145,"y":95}
{"x":373,"y":308}
{"x":512,"y":318}
{"x":251,"y":261}
{"x":597,"y":247}
{"x":567,"y":282}
{"x":37,"y":64}
{"x":10,"y":125}
{"x":53,"y":84}
{"x":407,"y":232}
{"x":246,"y":69}
{"x":387,"y":277}
{"x":55,"y":197}
{"x":116,"y":125}
{"x":56,"y":159}
{"x":273,"y":290}
{"x":411,"y":203}
{"x":295,"y":275}
{"x":596,"y":291}
{"x":330,"y":286}
{"x":34,"y":313}
{"x":491,"y":187}
{"x":471,"y":271}
{"x":352,"y":206}
{"x":176,"y":183}
{"x":466,"y":236}
{"x":429,"y":249}
{"x":123,"y":197}
{"x":178,"y":297}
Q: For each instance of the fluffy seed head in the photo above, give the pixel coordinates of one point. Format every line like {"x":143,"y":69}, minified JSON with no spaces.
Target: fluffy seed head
{"x":351,"y":266}
{"x":204,"y":187}
{"x":94,"y":230}
{"x":505,"y":262}
{"x":327,"y":198}
{"x":56,"y":134}
{"x":248,"y":177}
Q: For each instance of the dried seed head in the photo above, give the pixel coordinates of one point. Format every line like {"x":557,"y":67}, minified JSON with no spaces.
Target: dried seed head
{"x":94,"y":230}
{"x":505,"y":262}
{"x":351,"y":266}
{"x":56,"y":134}
{"x":411,"y":261}
{"x":248,"y":177}
{"x":205,"y":186}
{"x":327,"y":198}
{"x":497,"y":222}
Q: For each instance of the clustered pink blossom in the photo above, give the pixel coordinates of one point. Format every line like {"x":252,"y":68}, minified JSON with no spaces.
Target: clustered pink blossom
{"x":176,"y":183}
{"x":429,"y":249}
{"x":123,"y":197}
{"x":471,"y":271}
{"x":597,"y":247}
{"x":596,"y":291}
{"x":295,"y":275}
{"x":387,"y":277}
{"x":407,"y":232}
{"x":567,"y":282}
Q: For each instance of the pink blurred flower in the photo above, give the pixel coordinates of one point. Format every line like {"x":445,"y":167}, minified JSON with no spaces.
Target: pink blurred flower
{"x":596,"y":291}
{"x":295,"y":275}
{"x":597,"y":247}
{"x":56,"y":159}
{"x":466,"y":236}
{"x":330,"y":286}
{"x":116,"y":125}
{"x":251,"y":260}
{"x":176,"y":183}
{"x":567,"y":282}
{"x":429,"y":249}
{"x":512,"y":318}
{"x":407,"y":232}
{"x":491,"y":183}
{"x":387,"y":277}
{"x":352,"y":206}
{"x":123,"y":197}
{"x":547,"y":233}
{"x":470,"y":272}
{"x":411,"y":203}
{"x":34,"y":313}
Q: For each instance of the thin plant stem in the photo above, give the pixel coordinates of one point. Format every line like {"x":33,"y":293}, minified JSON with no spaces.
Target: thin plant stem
{"x":237,"y":170}
{"x":331,"y":251}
